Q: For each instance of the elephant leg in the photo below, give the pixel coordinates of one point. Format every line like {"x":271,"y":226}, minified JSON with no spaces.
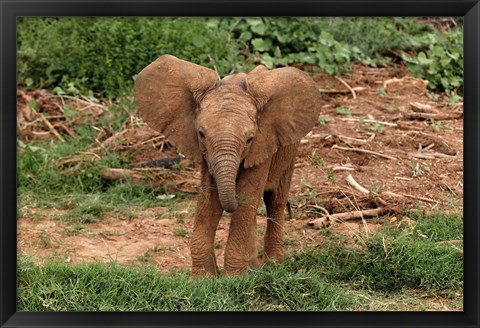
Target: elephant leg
{"x":276,"y":198}
{"x":241,"y":249}
{"x":273,"y":248}
{"x":207,"y":215}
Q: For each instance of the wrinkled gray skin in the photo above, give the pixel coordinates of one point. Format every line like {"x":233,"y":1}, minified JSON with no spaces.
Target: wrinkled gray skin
{"x":243,"y":132}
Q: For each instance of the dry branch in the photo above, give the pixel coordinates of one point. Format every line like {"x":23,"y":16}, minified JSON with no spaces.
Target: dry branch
{"x":356,"y":89}
{"x":427,"y":148}
{"x":122,"y":174}
{"x":348,"y":87}
{"x":368,"y":121}
{"x":437,"y":117}
{"x":351,"y":181}
{"x":430,"y":155}
{"x":69,"y":131}
{"x":51,"y":127}
{"x":423,"y":108}
{"x":329,"y":219}
{"x":387,"y":82}
{"x":353,"y":140}
{"x":421,"y":155}
{"x":159,"y":162}
{"x":402,"y":195}
{"x":364,"y":151}
{"x":342,"y":168}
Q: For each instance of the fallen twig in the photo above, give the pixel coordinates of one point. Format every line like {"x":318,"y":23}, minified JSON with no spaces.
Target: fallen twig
{"x":356,"y":89}
{"x":163,"y":162}
{"x":70,"y":132}
{"x":437,"y":117}
{"x":342,"y":168}
{"x":364,"y":151}
{"x":421,"y":155}
{"x":442,"y":155}
{"x":51,"y":127}
{"x":423,"y":108}
{"x":387,"y":82}
{"x":403,"y":178}
{"x":319,"y":208}
{"x":449,"y":188}
{"x":430,"y":155}
{"x":368,"y":121}
{"x":348,"y":87}
{"x":426,"y":148}
{"x":401,"y":195}
{"x":353,"y":140}
{"x":351,"y":181}
{"x":329,"y":219}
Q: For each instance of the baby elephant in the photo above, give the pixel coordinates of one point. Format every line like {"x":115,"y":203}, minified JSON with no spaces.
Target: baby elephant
{"x":243,"y":131}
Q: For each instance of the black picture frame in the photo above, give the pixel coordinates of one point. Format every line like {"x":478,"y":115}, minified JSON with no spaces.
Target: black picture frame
{"x":469,"y":9}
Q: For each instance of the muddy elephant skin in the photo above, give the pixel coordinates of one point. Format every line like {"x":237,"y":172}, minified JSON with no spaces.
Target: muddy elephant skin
{"x":243,"y":131}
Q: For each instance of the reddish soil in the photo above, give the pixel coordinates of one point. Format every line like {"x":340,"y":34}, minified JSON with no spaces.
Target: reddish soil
{"x":415,"y":161}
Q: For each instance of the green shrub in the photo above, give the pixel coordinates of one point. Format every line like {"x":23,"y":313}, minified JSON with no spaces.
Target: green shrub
{"x":283,"y":41}
{"x":104,"y":54}
{"x":330,"y":43}
{"x":442,"y":63}
{"x":372,"y":38}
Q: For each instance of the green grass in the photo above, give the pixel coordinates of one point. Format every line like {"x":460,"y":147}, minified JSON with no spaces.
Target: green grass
{"x":427,"y":256}
{"x":110,"y":287}
{"x":408,"y":263}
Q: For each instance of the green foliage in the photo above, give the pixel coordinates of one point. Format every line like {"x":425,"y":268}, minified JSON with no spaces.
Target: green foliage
{"x":181,"y":232}
{"x":323,"y":119}
{"x":344,"y":111}
{"x":102,"y":55}
{"x":331,"y":44}
{"x":79,"y":55}
{"x":441,"y":63}
{"x":372,"y":38}
{"x":282,"y":41}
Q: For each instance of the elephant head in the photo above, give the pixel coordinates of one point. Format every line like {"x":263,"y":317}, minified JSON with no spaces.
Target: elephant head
{"x":239,"y":121}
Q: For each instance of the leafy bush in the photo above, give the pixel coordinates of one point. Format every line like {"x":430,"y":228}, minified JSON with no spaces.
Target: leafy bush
{"x":372,"y":38}
{"x":330,"y":43}
{"x":283,"y":41}
{"x":442,"y":63}
{"x":104,"y":54}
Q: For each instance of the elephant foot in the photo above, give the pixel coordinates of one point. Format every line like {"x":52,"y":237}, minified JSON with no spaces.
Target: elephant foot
{"x":275,"y":258}
{"x":201,"y":272}
{"x":205,"y":267}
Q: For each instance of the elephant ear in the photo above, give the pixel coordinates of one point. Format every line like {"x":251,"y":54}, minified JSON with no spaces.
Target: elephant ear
{"x":167,"y":93}
{"x":288,"y":103}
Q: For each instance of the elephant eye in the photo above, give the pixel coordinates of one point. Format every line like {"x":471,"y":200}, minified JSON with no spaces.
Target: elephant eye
{"x":249,"y":140}
{"x":201,"y":134}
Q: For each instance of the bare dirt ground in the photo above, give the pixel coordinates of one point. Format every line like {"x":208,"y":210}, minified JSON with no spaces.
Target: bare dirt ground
{"x":378,"y":125}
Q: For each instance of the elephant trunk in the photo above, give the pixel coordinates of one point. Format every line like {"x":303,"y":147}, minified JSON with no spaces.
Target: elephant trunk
{"x":225,"y":167}
{"x":227,"y":190}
